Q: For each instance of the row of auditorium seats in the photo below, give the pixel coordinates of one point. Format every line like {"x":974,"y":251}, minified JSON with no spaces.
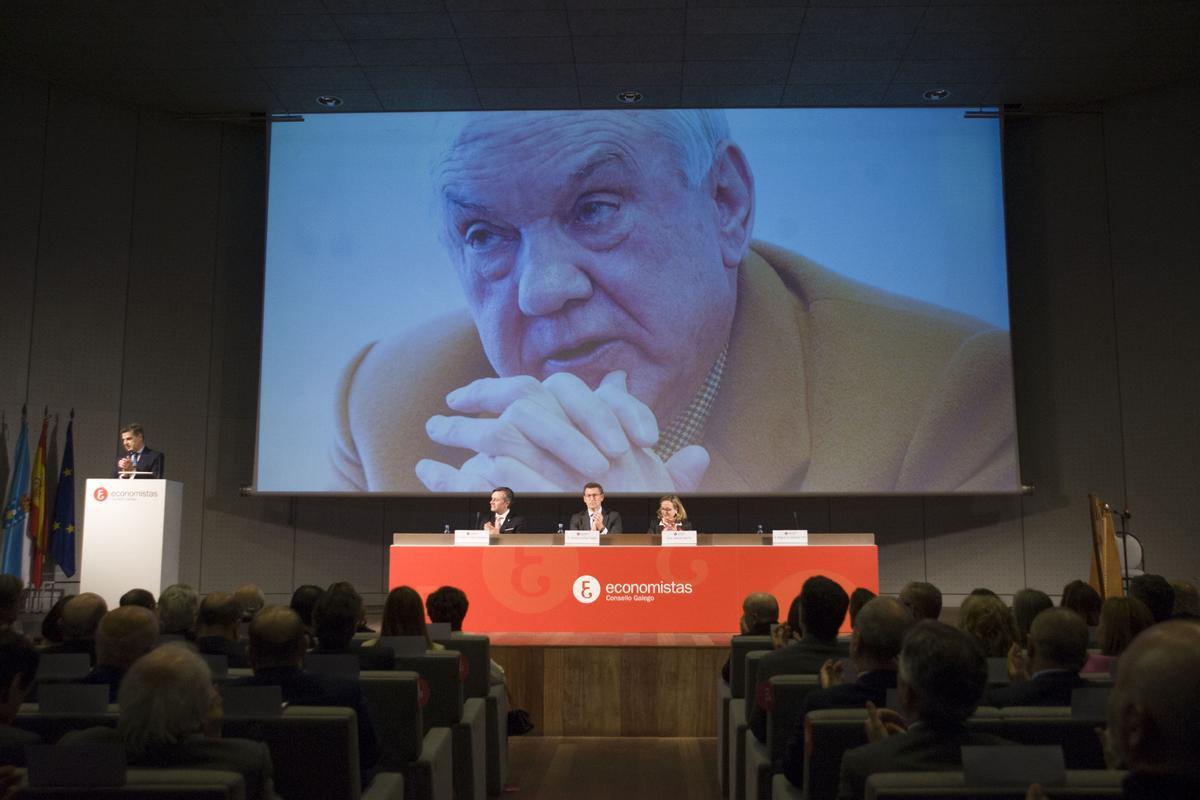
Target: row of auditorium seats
{"x":1075,"y":784}
{"x":746,"y":765}
{"x":437,"y":719}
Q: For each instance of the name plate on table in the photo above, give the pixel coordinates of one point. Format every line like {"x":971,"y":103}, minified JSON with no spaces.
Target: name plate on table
{"x":471,"y":539}
{"x":679,"y":538}
{"x":581,"y":538}
{"x":789,"y":538}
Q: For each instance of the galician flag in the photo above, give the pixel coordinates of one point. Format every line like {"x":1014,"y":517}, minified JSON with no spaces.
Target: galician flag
{"x":16,"y":507}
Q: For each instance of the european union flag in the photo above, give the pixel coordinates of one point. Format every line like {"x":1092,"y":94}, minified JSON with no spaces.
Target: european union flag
{"x":62,"y":527}
{"x":16,"y":508}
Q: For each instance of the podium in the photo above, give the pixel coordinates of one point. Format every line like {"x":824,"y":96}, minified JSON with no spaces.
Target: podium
{"x":131,"y":534}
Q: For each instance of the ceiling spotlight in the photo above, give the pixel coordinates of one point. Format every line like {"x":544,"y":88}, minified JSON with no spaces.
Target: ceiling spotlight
{"x":630,"y":96}
{"x":329,"y":100}
{"x":936,"y":95}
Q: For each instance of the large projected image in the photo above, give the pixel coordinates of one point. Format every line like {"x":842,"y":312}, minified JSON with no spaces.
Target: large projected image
{"x":728,"y":302}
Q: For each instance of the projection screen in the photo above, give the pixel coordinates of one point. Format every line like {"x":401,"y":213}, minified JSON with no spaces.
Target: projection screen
{"x":783,"y":301}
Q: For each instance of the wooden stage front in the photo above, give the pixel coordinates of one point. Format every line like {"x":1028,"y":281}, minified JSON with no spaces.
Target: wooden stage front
{"x":614,"y":684}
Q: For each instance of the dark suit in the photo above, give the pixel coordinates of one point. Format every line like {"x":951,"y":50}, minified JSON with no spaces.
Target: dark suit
{"x":233,"y":649}
{"x":512,"y":523}
{"x":922,"y":749}
{"x":376,"y":656}
{"x":1046,"y":689}
{"x":12,"y":745}
{"x":582,"y":521}
{"x":251,"y":760}
{"x":105,"y":674}
{"x":872,"y":686}
{"x":804,"y":657}
{"x":656,"y":526}
{"x":307,"y":689}
{"x":151,"y":461}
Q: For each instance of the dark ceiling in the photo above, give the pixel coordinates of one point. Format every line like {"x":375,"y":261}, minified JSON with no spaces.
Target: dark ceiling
{"x":222,"y":56}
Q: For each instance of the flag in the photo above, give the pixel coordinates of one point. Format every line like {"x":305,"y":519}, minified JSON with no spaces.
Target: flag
{"x":37,"y":507}
{"x":16,"y":507}
{"x":62,"y":528}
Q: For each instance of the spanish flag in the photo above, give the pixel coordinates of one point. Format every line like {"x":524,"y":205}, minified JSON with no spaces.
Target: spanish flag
{"x":37,"y":506}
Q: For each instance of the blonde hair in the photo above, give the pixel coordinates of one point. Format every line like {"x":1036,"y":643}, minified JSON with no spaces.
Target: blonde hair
{"x":674,"y":500}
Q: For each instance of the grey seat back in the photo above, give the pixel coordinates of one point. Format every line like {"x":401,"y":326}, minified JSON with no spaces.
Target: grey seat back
{"x":751,"y":677}
{"x":739,"y":646}
{"x":1079,"y":785}
{"x":52,"y":727}
{"x":443,"y":671}
{"x":1055,"y":725}
{"x":830,"y":733}
{"x":477,"y":649}
{"x":306,"y":741}
{"x":395,"y":703}
{"x":787,"y":694}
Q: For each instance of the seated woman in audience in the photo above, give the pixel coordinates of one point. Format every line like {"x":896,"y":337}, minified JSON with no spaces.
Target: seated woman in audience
{"x":1027,"y":604}
{"x":988,"y":620}
{"x":671,"y":516}
{"x":1085,"y":601}
{"x":404,"y":615}
{"x":1121,"y":619}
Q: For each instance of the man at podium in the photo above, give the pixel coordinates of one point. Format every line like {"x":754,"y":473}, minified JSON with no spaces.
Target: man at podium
{"x":139,"y":461}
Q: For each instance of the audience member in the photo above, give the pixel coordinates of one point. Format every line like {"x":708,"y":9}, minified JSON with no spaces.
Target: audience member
{"x":449,"y":604}
{"x":942,"y":675}
{"x":1121,"y":619}
{"x":404,"y":615}
{"x":822,"y":605}
{"x":1154,"y":712}
{"x":139,"y":597}
{"x":924,"y":600}
{"x":10,"y":600}
{"x":1156,"y":593}
{"x":347,"y":586}
{"x":988,"y":620}
{"x":859,"y":598}
{"x":80,"y":617}
{"x":18,"y":667}
{"x":879,"y":631}
{"x":177,"y":607}
{"x":1027,"y":604}
{"x":1187,"y":599}
{"x":51,"y":632}
{"x":277,"y":643}
{"x":304,"y":600}
{"x":171,"y":717}
{"x":217,"y":624}
{"x":335,"y":619}
{"x":251,"y":599}
{"x":982,"y":591}
{"x":760,"y":613}
{"x":125,"y":634}
{"x":1080,"y":597}
{"x":1058,"y":641}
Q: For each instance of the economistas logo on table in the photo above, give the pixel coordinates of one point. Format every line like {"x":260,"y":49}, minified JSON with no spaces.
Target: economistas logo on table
{"x":586,"y":589}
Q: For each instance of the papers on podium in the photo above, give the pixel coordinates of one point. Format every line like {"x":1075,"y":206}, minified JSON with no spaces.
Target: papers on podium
{"x":581,"y":538}
{"x":471,"y":538}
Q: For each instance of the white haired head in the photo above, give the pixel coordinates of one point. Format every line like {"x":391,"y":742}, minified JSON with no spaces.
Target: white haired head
{"x":165,"y":697}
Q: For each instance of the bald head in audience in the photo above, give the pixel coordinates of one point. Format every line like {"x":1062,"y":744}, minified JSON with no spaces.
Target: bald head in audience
{"x":760,"y":610}
{"x":879,"y":631}
{"x":125,"y":635}
{"x":251,"y":599}
{"x":1058,"y":639}
{"x":277,"y":638}
{"x":219,"y":615}
{"x":1154,"y":708}
{"x":81,"y":616}
{"x":924,"y":600}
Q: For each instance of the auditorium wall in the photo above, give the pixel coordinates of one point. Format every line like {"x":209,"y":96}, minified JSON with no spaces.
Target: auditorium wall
{"x":131,"y":259}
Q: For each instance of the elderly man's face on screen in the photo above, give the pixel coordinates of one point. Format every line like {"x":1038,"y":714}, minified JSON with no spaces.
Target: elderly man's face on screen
{"x":583,"y":246}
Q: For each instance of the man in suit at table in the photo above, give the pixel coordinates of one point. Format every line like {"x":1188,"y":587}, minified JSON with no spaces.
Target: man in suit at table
{"x":502,"y":520}
{"x":139,"y":461}
{"x":594,"y":517}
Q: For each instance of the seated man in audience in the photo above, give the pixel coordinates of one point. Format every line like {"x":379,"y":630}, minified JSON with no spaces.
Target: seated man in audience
{"x":18,"y":667}
{"x":822,"y":605}
{"x":1154,"y":712}
{"x":251,"y":599}
{"x":1058,"y":640}
{"x":277,"y":642}
{"x":304,"y":600}
{"x":879,"y":631}
{"x":139,"y":597}
{"x":125,"y":635}
{"x":942,"y":675}
{"x":171,"y":717}
{"x":335,"y":619}
{"x":448,"y":604}
{"x":80,"y":618}
{"x":177,"y":607}
{"x":924,"y":600}
{"x":760,"y":613}
{"x":1156,"y":593}
{"x":10,"y":600}
{"x":859,"y":598}
{"x":217,"y":625}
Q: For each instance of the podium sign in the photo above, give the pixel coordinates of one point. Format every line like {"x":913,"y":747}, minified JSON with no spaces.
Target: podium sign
{"x":131,"y":534}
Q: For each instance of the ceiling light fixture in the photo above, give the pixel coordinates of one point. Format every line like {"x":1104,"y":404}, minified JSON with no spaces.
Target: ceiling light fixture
{"x":630,"y":96}
{"x":936,"y":95}
{"x":329,"y":100}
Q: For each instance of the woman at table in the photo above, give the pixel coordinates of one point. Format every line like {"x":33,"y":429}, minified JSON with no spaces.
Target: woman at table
{"x":671,"y":516}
